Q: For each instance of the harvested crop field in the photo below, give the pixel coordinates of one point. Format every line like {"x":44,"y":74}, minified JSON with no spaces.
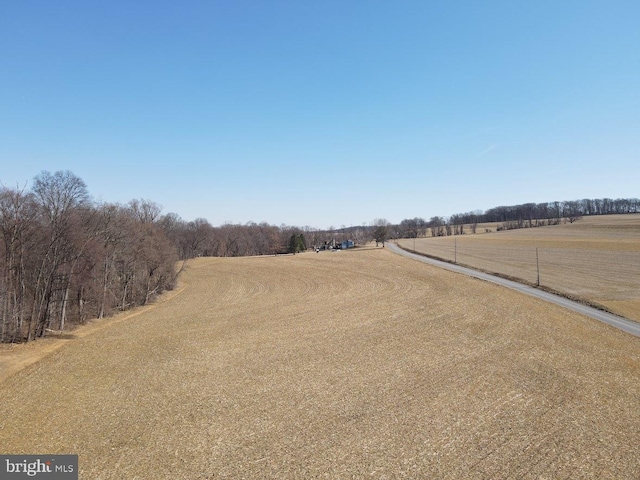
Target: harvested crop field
{"x":357,"y":364}
{"x":596,"y":259}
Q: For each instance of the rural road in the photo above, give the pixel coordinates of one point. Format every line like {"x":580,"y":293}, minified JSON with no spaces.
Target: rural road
{"x":608,"y":318}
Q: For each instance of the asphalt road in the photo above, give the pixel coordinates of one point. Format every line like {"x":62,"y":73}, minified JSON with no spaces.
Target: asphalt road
{"x":608,"y":318}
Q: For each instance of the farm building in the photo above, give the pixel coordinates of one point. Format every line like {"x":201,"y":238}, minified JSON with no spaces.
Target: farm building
{"x":335,"y":245}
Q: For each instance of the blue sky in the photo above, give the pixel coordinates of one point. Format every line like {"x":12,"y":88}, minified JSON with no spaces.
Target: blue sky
{"x":323,"y":113}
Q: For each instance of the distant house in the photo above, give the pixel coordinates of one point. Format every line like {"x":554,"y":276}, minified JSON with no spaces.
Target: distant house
{"x":346,"y":244}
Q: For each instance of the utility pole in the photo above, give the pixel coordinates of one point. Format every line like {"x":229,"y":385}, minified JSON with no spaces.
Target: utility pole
{"x":455,"y":250}
{"x":538,"y":267}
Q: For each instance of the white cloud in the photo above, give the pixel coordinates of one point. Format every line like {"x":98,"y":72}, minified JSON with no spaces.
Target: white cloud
{"x":487,"y":150}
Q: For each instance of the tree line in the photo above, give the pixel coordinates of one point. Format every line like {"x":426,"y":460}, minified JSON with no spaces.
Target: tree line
{"x":65,"y":259}
{"x":517,"y":216}
{"x":198,"y":238}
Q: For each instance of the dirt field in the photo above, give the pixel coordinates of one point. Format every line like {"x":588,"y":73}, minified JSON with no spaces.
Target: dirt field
{"x":596,"y":259}
{"x":357,"y":364}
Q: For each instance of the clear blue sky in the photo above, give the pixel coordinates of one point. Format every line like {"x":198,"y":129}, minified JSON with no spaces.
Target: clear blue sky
{"x":323,"y":113}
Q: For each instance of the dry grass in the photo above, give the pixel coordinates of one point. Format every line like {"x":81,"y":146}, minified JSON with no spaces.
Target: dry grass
{"x":596,"y":259}
{"x":355,"y":364}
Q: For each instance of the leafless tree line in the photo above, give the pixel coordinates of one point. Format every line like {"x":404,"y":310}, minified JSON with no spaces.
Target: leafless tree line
{"x":516,"y":216}
{"x":199,"y":238}
{"x":64,"y":259}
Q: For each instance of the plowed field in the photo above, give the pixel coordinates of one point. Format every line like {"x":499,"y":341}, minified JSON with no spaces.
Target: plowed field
{"x":596,"y":259}
{"x":357,"y":364}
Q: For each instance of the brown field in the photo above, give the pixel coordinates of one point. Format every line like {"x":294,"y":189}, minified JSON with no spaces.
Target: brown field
{"x":596,"y":259}
{"x":357,"y":364}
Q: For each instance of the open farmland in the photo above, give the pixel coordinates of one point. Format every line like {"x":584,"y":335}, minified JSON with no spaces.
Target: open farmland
{"x":596,"y":259}
{"x":353,"y":364}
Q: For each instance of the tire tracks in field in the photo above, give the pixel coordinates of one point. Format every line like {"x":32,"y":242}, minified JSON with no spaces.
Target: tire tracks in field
{"x":616,"y":321}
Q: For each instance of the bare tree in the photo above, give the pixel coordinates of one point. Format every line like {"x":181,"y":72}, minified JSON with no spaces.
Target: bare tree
{"x":380,"y":230}
{"x":57,"y":195}
{"x":437,"y":226}
{"x":145,"y":211}
{"x":17,"y":226}
{"x":572,"y":211}
{"x":360,"y":235}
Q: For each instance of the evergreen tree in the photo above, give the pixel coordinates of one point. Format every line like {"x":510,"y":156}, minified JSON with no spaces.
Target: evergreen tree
{"x":297,"y":244}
